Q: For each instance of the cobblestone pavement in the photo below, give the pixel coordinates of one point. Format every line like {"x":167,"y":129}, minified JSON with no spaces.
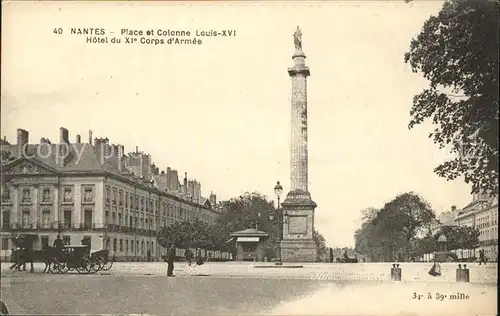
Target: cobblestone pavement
{"x":411,"y":272}
{"x":241,"y":288}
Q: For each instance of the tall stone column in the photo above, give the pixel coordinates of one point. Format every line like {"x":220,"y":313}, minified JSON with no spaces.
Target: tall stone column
{"x":298,"y":208}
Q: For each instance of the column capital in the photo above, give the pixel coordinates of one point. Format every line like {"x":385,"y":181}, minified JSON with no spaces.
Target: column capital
{"x":302,"y":70}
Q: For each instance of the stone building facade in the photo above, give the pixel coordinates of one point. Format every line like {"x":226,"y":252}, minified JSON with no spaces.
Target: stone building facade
{"x":93,"y":192}
{"x":482,"y":213}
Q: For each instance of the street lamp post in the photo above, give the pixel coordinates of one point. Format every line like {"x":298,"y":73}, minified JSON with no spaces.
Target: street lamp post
{"x":278,"y":189}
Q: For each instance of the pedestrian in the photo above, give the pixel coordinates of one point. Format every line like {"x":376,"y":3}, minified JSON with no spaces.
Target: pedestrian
{"x":435,"y":269}
{"x":58,"y":246}
{"x":170,"y":261}
{"x":188,"y":256}
{"x":482,"y":259}
{"x":199,"y":259}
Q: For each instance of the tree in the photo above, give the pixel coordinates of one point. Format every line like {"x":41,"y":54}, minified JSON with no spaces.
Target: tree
{"x":247,"y":211}
{"x":391,"y":232}
{"x":320,"y":245}
{"x":459,"y":237}
{"x":426,"y":244}
{"x":457,"y":51}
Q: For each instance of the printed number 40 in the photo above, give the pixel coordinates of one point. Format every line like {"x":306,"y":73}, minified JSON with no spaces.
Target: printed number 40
{"x":58,"y":30}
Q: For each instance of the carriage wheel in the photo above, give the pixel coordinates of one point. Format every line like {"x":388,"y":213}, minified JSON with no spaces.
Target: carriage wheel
{"x":53,"y":268}
{"x":99,"y":262}
{"x":94,"y":265}
{"x":63,"y":267}
{"x":107,"y":265}
{"x":83,"y":266}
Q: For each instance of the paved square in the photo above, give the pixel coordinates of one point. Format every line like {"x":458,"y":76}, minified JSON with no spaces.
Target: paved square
{"x":240,"y":288}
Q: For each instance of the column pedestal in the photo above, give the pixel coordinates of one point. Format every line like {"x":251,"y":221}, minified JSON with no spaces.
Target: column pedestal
{"x":298,"y":244}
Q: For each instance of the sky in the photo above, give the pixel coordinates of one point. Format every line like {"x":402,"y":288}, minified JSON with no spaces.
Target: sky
{"x":220,"y":111}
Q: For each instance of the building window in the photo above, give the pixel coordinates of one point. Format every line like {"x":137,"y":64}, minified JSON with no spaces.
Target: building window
{"x":142,"y":246}
{"x":26,"y":219}
{"x":5,"y":243}
{"x":142,"y":204}
{"x":26,"y":196}
{"x":46,"y":218}
{"x":126,"y":199}
{"x":46,"y":195}
{"x":6,"y":220}
{"x":131,"y":246}
{"x":249,"y":247}
{"x":114,"y":244}
{"x":68,"y":196}
{"x":114,"y":218}
{"x":131,"y":222}
{"x":153,"y":247}
{"x":120,"y":219}
{"x":137,"y":247}
{"x":87,"y":240}
{"x":107,"y":195}
{"x":5,"y":193}
{"x":126,"y":245}
{"x":67,"y":218}
{"x":113,"y":201}
{"x":87,"y":221}
{"x":88,"y":195}
{"x":45,"y":242}
{"x":67,"y":240}
{"x":121,"y":244}
{"x":120,"y":198}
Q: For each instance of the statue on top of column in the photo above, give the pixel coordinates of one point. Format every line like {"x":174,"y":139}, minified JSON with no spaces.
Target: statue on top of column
{"x":297,"y":37}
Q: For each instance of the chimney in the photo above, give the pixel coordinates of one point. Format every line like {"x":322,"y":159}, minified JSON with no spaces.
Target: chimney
{"x":78,"y":139}
{"x":185,"y":183}
{"x":22,"y":140}
{"x":213,"y":199}
{"x":90,"y":137}
{"x":136,"y":149}
{"x":63,"y":136}
{"x":119,"y":156}
{"x":64,"y":151}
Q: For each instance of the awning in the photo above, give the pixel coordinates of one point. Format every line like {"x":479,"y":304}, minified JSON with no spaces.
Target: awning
{"x":247,"y":239}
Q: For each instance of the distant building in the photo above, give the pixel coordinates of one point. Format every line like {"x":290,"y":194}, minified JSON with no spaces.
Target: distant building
{"x":94,"y":192}
{"x":482,"y":214}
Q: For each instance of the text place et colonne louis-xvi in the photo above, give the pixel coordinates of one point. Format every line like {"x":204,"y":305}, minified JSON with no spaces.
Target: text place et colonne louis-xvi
{"x":155,"y":32}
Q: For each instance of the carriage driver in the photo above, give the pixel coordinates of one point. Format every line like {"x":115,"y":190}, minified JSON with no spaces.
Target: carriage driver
{"x":58,"y":245}
{"x":84,"y":243}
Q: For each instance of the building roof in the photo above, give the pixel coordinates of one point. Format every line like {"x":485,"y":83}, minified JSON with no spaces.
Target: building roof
{"x":442,"y":238}
{"x":250,"y":232}
{"x":84,"y":157}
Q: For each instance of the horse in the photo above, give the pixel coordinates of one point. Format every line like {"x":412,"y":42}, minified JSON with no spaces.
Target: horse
{"x":27,"y":255}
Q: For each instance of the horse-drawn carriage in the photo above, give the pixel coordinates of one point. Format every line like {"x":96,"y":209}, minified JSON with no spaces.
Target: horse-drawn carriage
{"x":79,"y":258}
{"x":59,"y":260}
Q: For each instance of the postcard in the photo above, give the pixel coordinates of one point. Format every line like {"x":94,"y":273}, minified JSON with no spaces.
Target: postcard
{"x":249,"y":157}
